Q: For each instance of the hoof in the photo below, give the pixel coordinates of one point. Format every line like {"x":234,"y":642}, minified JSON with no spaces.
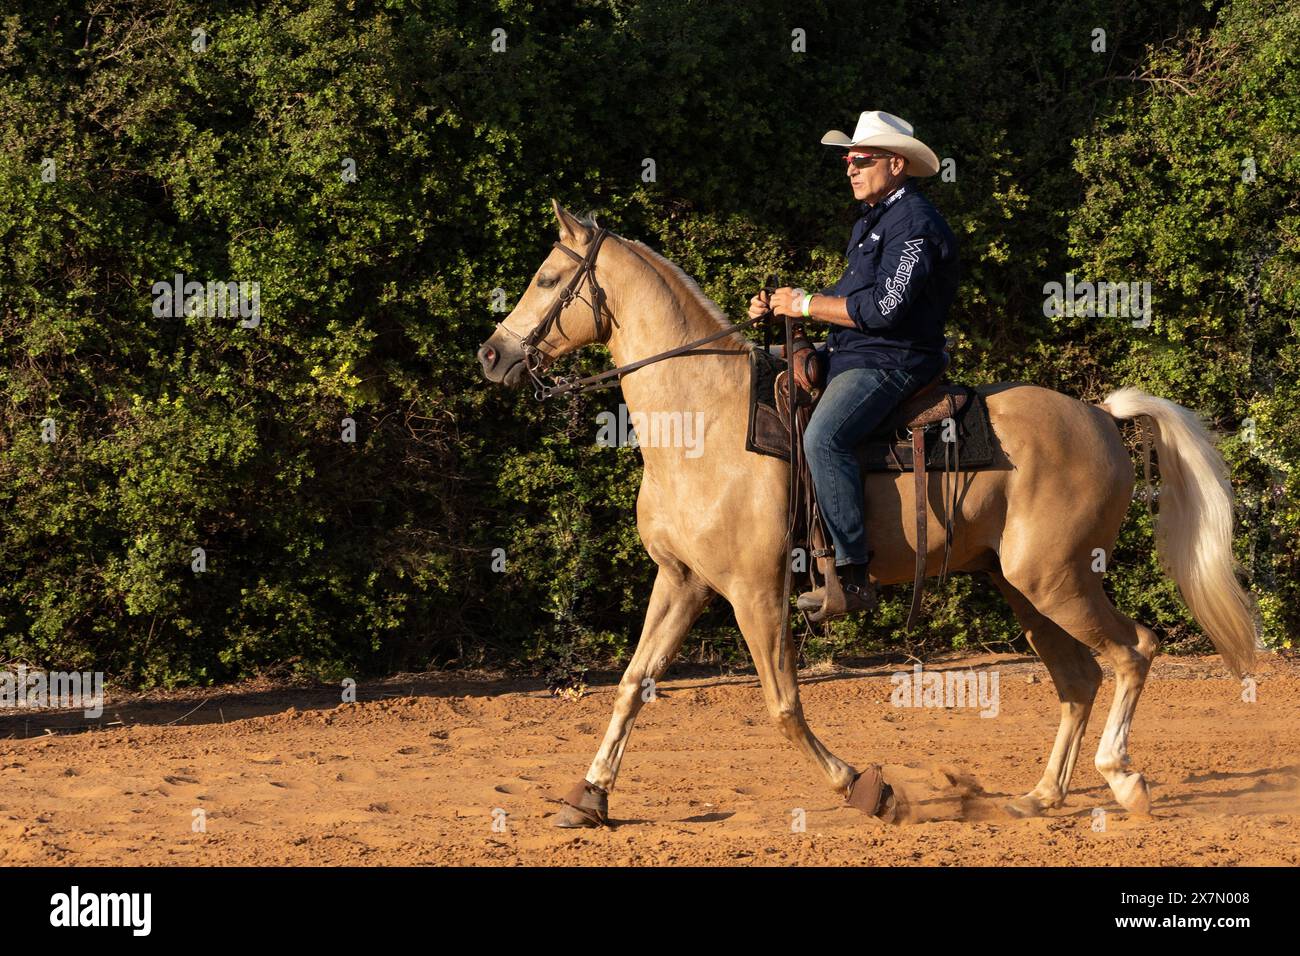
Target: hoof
{"x":1035,"y":803}
{"x":869,"y":793}
{"x":1025,"y":807}
{"x":1133,"y":794}
{"x":586,"y":805}
{"x":572,"y":818}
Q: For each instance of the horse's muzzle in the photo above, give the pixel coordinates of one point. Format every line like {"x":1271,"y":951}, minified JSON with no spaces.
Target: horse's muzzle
{"x":502,"y":361}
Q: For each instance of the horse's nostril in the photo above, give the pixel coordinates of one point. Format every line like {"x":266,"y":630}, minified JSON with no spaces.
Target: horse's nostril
{"x":487,"y":356}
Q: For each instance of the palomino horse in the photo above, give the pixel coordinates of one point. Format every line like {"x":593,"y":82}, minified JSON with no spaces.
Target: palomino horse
{"x":714,"y":522}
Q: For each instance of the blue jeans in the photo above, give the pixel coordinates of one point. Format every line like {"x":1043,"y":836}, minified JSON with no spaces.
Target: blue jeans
{"x":856,"y":403}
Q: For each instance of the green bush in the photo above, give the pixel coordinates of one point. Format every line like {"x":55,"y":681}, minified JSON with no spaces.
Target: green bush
{"x":326,"y":557}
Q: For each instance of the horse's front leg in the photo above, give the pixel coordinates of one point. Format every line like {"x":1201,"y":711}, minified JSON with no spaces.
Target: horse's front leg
{"x":675,"y":603}
{"x":763,"y":624}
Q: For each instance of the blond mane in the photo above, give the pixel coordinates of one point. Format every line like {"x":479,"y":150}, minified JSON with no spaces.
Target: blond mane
{"x":686,"y":288}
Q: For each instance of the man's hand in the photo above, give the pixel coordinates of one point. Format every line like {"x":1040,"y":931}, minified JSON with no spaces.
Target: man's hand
{"x":826,"y":308}
{"x":784,"y":303}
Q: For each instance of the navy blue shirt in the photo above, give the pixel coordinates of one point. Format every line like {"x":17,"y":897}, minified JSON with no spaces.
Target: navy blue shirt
{"x":900,"y":281}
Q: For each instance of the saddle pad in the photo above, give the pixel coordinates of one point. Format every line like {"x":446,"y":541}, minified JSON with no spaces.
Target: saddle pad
{"x":767,"y":434}
{"x":975,"y":442}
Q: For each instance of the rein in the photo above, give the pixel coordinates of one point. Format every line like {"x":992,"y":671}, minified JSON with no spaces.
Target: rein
{"x":535,"y":358}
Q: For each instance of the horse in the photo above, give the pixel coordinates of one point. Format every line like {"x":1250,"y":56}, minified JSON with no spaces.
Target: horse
{"x":713,"y":520}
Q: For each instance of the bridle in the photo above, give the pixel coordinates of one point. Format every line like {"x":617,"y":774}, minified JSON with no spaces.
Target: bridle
{"x":535,"y":359}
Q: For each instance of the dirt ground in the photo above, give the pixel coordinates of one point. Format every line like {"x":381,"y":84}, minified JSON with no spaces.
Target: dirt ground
{"x":419,"y":769}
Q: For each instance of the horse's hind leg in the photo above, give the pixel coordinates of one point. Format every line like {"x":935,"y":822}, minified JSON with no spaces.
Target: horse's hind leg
{"x":1130,"y":651}
{"x":1077,"y":676}
{"x":1078,"y":605}
{"x":675,"y":603}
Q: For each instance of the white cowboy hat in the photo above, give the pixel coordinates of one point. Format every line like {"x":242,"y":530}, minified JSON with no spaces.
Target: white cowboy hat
{"x":888,"y":132}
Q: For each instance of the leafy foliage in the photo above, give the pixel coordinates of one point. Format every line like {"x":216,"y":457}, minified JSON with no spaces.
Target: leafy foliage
{"x":328,"y":557}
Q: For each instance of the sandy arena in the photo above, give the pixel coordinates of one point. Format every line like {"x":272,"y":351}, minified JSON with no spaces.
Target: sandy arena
{"x":412,"y":774}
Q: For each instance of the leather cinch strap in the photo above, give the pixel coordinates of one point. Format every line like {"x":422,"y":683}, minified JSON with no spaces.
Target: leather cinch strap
{"x":918,"y":471}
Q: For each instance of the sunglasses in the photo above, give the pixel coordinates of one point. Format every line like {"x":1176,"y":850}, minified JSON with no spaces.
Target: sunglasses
{"x":862,"y":162}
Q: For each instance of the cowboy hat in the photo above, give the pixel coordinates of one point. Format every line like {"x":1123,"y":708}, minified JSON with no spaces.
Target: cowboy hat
{"x":888,"y":132}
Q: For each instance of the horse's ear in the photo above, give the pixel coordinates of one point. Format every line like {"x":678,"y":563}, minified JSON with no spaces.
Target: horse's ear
{"x":571,"y":230}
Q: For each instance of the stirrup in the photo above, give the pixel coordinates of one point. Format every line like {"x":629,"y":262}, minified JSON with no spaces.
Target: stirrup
{"x":843,"y":600}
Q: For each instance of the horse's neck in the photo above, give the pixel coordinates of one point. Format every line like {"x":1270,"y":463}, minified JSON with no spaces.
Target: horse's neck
{"x":656,"y":314}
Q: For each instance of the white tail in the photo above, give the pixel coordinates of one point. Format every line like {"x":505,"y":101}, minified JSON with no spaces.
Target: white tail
{"x":1194,"y":525}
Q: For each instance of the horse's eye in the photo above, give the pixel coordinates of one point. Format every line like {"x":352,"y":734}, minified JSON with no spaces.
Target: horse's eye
{"x":547,"y":282}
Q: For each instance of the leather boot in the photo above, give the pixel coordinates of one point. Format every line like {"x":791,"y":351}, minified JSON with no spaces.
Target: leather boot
{"x":812,"y":600}
{"x":856,"y":593}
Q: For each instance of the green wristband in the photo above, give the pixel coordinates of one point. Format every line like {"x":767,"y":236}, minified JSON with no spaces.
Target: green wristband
{"x":807,"y":303}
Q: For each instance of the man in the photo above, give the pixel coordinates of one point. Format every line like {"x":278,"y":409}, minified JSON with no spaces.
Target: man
{"x":888,"y":312}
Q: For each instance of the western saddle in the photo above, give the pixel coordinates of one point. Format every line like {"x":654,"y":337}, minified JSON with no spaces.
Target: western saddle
{"x":935,"y":402}
{"x":932,"y":402}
